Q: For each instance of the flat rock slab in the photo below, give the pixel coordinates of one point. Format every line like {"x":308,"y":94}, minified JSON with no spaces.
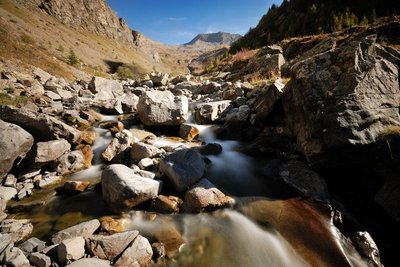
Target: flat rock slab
{"x":85,"y":229}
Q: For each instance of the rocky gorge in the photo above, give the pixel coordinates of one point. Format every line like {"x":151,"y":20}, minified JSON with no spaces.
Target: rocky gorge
{"x":208,"y":171}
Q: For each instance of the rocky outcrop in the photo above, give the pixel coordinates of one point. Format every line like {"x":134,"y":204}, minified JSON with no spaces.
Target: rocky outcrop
{"x":158,"y":108}
{"x":220,"y":38}
{"x":14,"y":142}
{"x":123,"y":189}
{"x":94,"y":16}
{"x":342,"y":98}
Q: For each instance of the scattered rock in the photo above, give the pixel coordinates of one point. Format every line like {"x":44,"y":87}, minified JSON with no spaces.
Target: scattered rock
{"x":204,"y":196}
{"x":31,"y":245}
{"x":84,"y":229}
{"x":146,"y":163}
{"x":45,"y":152}
{"x":166,"y":204}
{"x":141,"y":150}
{"x":15,"y":257}
{"x":188,"y":132}
{"x":48,"y":180}
{"x":162,"y":108}
{"x":111,"y":225}
{"x":123,"y":189}
{"x":109,"y":247}
{"x":14,"y":142}
{"x":183,"y":168}
{"x":17,"y":229}
{"x":116,"y":149}
{"x":159,"y":79}
{"x":76,"y":186}
{"x":8,"y":193}
{"x":139,"y":253}
{"x":39,"y":260}
{"x":71,"y":162}
{"x":207,"y":113}
{"x":71,"y":249}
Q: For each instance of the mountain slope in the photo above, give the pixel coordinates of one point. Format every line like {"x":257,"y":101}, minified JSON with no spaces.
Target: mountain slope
{"x":316,"y":16}
{"x":221,"y":38}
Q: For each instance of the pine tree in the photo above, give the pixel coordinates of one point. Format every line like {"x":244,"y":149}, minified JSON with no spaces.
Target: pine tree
{"x":364,"y":21}
{"x":72,"y":58}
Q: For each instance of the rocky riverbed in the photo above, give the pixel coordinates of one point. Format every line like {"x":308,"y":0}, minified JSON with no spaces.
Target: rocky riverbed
{"x":139,"y":173}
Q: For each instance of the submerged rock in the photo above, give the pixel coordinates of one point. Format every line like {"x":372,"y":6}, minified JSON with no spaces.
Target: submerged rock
{"x":183,"y":168}
{"x":14,"y":142}
{"x":204,"y":196}
{"x":162,"y":108}
{"x":123,"y":189}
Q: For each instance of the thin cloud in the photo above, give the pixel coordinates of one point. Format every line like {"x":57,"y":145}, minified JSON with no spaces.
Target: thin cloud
{"x":177,"y":18}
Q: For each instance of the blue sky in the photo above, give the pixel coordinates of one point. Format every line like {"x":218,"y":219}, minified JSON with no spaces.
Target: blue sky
{"x":179,"y":21}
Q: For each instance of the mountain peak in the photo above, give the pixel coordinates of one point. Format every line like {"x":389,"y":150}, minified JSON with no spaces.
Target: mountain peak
{"x":220,"y":38}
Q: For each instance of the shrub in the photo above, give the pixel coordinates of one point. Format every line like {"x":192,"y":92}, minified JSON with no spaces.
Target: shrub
{"x":9,"y":90}
{"x":6,"y":99}
{"x":72,"y":58}
{"x":27,"y":39}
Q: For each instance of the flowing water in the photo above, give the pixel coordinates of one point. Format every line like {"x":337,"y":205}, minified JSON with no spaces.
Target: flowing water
{"x":223,"y":238}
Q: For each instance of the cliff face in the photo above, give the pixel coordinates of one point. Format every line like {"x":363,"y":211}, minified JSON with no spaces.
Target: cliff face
{"x":94,"y":16}
{"x":221,"y":38}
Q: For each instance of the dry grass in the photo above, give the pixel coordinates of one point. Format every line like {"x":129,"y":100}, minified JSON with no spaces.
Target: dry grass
{"x":390,"y":131}
{"x":6,"y":99}
{"x":245,"y":54}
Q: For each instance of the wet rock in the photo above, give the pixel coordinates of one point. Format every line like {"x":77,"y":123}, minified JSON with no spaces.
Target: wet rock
{"x":43,"y":127}
{"x":183,"y":168}
{"x":141,"y":150}
{"x":88,"y":137}
{"x":48,"y":180}
{"x":17,"y":229}
{"x":90,"y":262}
{"x":45,"y":152}
{"x":139,"y":135}
{"x":71,"y":249}
{"x":166,"y":204}
{"x":188,"y":132}
{"x":139,"y":253}
{"x":76,"y":186}
{"x":111,"y":225}
{"x":113,"y":126}
{"x":159,"y":252}
{"x":299,"y":178}
{"x":116,"y":149}
{"x":31,"y":245}
{"x":15,"y":257}
{"x":367,"y":247}
{"x":170,"y":237}
{"x":39,"y":260}
{"x":109,"y":247}
{"x":123,"y":189}
{"x":162,"y":108}
{"x":207,"y":113}
{"x":204,"y":196}
{"x":85,"y":229}
{"x":210,"y":149}
{"x":15,"y":142}
{"x":8,"y":193}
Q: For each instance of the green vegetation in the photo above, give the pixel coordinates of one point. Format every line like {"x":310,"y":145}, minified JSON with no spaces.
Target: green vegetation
{"x":27,"y":39}
{"x":6,"y":99}
{"x":72,"y":58}
{"x":316,"y":16}
{"x":9,"y":90}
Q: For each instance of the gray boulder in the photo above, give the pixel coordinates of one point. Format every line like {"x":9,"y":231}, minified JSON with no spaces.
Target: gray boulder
{"x":45,"y":152}
{"x":90,"y":262}
{"x":39,"y":260}
{"x":41,"y":126}
{"x":71,"y":249}
{"x":141,"y":150}
{"x":109,"y":247}
{"x":162,"y":108}
{"x":32,"y":245}
{"x":85,"y":229}
{"x":70,"y":162}
{"x":183,"y":168}
{"x":212,"y":112}
{"x":123,"y":189}
{"x":204,"y":196}
{"x":14,"y":142}
{"x":15,"y":257}
{"x":139,"y":253}
{"x":17,"y":229}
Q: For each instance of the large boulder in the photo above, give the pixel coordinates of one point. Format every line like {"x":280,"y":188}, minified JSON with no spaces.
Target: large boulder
{"x":14,"y":142}
{"x":162,"y":108}
{"x":183,"y":168}
{"x":212,"y":112}
{"x":43,"y":127}
{"x":106,"y":93}
{"x":204,"y":196}
{"x":123,"y":189}
{"x":71,"y":162}
{"x":45,"y":152}
{"x":344,"y":97}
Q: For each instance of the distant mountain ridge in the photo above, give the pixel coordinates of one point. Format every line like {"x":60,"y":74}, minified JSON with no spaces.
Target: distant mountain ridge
{"x":220,"y":38}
